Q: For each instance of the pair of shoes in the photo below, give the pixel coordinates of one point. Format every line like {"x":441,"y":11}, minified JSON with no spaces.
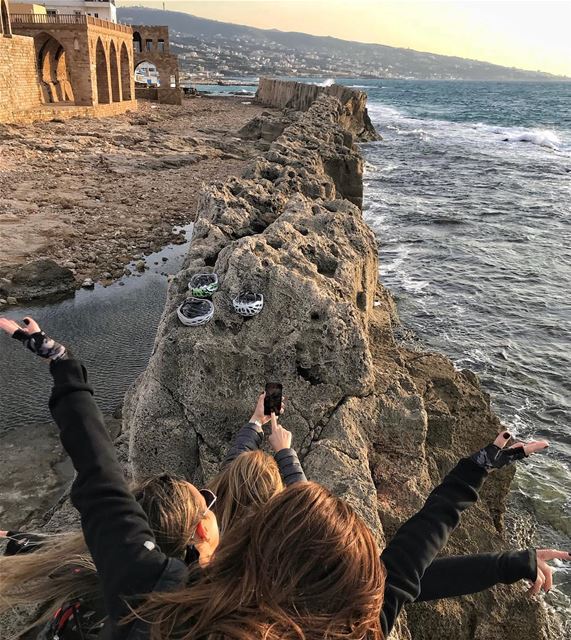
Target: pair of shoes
{"x":198,"y":309}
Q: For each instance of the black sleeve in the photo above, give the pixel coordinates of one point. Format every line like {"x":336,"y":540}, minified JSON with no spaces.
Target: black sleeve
{"x":20,"y":542}
{"x":249,"y":438}
{"x":461,"y":575}
{"x":114,"y":524}
{"x":420,"y":539}
{"x":291,"y":470}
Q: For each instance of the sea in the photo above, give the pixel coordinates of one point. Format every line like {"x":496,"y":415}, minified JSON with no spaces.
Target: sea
{"x":469,"y":196}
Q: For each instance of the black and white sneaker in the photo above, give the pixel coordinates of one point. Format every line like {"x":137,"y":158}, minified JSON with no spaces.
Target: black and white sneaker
{"x":194,"y":312}
{"x":248,"y":304}
{"x":203,"y":285}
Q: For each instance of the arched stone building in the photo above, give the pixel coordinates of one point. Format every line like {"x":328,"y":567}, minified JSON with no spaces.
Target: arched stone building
{"x":66,"y":60}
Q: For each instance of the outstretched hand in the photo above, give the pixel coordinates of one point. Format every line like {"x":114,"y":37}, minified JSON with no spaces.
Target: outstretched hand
{"x":544,"y":580}
{"x":34,"y":339}
{"x":11,"y":326}
{"x":498,"y":454}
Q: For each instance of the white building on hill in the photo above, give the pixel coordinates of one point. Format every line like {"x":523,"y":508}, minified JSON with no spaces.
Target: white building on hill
{"x":104,"y":9}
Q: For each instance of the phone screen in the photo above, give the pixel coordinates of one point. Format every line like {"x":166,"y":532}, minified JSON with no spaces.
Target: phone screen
{"x":273,"y":399}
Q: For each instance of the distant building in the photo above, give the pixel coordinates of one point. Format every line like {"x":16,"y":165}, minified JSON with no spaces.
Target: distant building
{"x":104,"y":9}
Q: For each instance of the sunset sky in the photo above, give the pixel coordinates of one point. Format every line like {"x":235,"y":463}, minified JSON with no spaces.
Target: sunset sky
{"x":529,"y":34}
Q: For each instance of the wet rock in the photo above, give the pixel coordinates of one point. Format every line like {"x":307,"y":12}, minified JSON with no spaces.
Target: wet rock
{"x":11,"y":300}
{"x":41,"y":278}
{"x":140,"y":265}
{"x":88,"y":283}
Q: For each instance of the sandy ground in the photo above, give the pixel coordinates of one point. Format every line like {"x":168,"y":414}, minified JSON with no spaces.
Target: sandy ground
{"x":92,"y":194}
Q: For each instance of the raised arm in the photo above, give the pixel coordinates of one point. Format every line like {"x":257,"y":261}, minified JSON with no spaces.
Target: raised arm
{"x":290,"y":467}
{"x":250,"y":436}
{"x":420,"y":539}
{"x":114,"y":525}
{"x":462,"y":575}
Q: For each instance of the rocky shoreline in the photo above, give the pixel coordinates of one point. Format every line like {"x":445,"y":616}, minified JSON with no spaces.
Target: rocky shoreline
{"x":91,"y":196}
{"x":377,"y":421}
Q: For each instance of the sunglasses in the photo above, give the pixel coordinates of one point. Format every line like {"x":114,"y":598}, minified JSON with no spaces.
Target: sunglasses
{"x":210,"y":498}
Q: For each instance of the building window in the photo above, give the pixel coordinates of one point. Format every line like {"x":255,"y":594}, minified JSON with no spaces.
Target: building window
{"x":161,"y":45}
{"x":148,"y":45}
{"x":51,"y":12}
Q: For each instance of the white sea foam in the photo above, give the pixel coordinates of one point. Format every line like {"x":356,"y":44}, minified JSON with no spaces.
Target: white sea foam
{"x":540,"y":137}
{"x":326,"y":83}
{"x":362,"y":86}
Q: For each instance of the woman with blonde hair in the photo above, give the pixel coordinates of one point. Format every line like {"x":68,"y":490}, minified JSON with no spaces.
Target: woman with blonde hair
{"x":303,"y":566}
{"x":249,"y":476}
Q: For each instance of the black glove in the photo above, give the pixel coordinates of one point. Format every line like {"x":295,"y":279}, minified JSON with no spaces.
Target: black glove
{"x":41,"y":345}
{"x":494,"y":457}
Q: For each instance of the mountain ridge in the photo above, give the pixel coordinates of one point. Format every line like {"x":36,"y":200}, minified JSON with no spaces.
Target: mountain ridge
{"x":329,"y":55}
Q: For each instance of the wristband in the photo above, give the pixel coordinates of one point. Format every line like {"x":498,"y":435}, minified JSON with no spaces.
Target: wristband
{"x":492,"y":457}
{"x":41,"y":345}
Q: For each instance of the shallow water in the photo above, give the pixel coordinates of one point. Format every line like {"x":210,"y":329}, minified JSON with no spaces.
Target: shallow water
{"x":112,"y":329}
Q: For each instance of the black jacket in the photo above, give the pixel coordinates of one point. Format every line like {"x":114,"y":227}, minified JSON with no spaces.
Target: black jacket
{"x":123,"y":546}
{"x":249,"y":438}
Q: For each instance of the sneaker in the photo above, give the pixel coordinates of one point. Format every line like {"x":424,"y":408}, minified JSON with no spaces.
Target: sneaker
{"x":194,"y":312}
{"x":203,"y":285}
{"x":248,"y":303}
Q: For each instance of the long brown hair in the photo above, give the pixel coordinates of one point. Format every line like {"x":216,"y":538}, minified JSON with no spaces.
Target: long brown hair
{"x":249,"y":481}
{"x":304,"y":566}
{"x":62,"y":569}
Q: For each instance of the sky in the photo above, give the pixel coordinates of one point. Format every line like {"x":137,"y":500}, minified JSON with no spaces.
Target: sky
{"x":528,"y":34}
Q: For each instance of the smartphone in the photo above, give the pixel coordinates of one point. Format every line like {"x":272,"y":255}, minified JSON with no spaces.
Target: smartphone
{"x":273,"y":399}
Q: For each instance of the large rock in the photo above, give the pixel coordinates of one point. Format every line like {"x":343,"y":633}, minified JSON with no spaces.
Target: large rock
{"x":300,"y":96}
{"x":377,"y":422}
{"x":38,"y":279}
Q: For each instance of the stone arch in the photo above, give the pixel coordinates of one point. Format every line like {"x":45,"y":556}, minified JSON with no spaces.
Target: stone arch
{"x":102,"y":74}
{"x":53,"y":71}
{"x":137,"y":42}
{"x":155,"y":76}
{"x":125,"y":74}
{"x":114,"y":73}
{"x":5,"y":27}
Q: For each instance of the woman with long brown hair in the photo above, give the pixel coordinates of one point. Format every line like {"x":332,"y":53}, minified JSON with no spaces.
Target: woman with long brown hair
{"x":304,"y":566}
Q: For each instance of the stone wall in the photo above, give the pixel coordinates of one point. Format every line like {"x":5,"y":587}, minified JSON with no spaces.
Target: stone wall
{"x":378,"y":423}
{"x":19,"y":89}
{"x":299,"y":96}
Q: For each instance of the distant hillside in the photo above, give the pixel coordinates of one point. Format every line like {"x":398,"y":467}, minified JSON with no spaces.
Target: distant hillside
{"x":236,"y":50}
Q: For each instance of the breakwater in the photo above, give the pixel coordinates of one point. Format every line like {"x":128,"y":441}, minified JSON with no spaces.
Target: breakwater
{"x":377,"y":422}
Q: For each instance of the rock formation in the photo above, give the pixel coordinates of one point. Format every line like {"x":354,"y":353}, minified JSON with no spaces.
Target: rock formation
{"x":377,"y":422}
{"x":299,"y":96}
{"x":37,"y":279}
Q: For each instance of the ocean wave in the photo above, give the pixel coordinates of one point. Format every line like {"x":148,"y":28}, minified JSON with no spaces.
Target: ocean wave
{"x":362,"y":86}
{"x":540,"y":137}
{"x":326,"y":83}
